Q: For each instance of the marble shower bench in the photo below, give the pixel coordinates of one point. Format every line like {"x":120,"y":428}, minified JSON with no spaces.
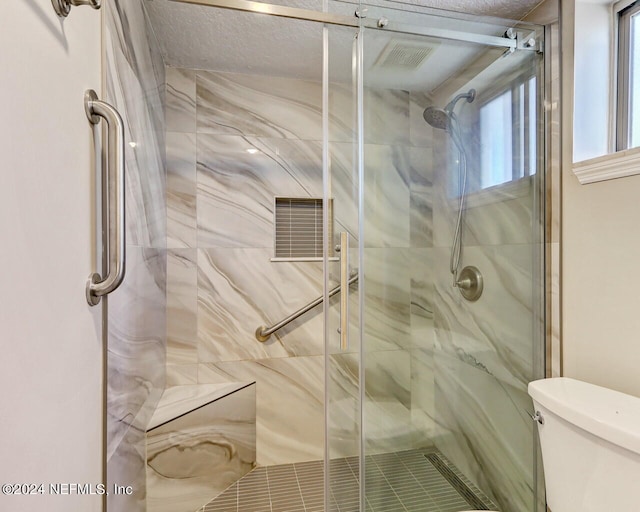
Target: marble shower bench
{"x":200,"y":440}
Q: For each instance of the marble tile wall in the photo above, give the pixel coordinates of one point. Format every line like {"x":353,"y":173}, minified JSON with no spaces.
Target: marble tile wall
{"x":423,"y":173}
{"x":398,"y":235}
{"x":417,"y":330}
{"x":222,"y":284}
{"x":137,"y":310}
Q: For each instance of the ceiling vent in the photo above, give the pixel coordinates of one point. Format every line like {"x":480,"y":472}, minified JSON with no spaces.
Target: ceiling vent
{"x":404,"y":55}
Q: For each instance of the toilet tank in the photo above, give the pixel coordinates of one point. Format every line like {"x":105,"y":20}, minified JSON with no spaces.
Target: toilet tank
{"x":590,"y":442}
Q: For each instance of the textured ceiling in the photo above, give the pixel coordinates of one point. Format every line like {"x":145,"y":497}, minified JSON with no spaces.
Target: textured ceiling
{"x":219,"y":39}
{"x":511,"y":9}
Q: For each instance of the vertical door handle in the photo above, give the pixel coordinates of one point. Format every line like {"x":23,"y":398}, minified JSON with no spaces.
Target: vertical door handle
{"x":344,"y":290}
{"x":114,"y":214}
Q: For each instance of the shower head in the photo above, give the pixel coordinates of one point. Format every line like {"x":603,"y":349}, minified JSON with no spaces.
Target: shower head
{"x":441,"y":118}
{"x":437,"y":117}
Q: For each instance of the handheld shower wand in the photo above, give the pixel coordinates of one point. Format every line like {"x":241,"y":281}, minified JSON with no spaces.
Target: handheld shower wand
{"x":470,"y":280}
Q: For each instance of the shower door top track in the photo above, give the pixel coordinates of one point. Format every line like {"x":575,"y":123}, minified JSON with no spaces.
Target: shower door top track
{"x":348,"y":21}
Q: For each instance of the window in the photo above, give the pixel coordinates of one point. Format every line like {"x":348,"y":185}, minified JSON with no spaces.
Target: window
{"x":628,"y":104}
{"x":508,"y":129}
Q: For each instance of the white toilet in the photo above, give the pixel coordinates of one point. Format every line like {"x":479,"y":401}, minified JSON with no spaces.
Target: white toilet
{"x":590,"y":439}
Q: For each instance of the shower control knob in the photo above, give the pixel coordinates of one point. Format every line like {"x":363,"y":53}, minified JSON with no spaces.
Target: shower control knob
{"x":383,"y":22}
{"x":470,"y":283}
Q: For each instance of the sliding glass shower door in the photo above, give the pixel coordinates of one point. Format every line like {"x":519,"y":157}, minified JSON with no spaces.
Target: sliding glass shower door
{"x":342,"y":180}
{"x":426,"y":396}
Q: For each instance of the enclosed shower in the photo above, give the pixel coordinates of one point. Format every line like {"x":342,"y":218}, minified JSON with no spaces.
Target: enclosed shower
{"x":354,"y":232}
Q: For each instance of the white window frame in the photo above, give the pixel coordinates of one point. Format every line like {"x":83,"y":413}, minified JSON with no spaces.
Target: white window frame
{"x":610,"y":163}
{"x":623,"y":13}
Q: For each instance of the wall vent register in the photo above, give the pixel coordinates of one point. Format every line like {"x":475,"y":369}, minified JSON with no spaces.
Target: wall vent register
{"x":298,"y":229}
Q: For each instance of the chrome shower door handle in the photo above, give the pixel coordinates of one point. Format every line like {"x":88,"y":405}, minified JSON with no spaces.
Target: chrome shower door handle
{"x":344,"y":290}
{"x":114,"y":214}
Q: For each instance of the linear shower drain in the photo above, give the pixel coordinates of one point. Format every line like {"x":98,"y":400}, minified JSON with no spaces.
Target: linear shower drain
{"x":456,"y":482}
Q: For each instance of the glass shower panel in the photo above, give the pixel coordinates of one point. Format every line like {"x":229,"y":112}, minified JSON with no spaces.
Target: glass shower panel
{"x":445,"y":407}
{"x":245,"y":151}
{"x":342,"y":195}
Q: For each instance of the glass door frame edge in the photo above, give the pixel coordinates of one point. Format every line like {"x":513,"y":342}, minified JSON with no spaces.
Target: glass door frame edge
{"x":361,"y":262}
{"x":326,"y":194}
{"x":348,"y":21}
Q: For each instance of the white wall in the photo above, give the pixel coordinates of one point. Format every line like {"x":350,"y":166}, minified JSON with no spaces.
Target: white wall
{"x":601,"y":303}
{"x":50,"y":339}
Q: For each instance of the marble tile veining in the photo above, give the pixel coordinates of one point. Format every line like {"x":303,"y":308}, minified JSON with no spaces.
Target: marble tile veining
{"x":266,"y":292}
{"x":421,"y":134}
{"x":490,"y":433}
{"x":181,"y":100}
{"x":501,"y":221}
{"x":421,"y":197}
{"x":387,"y":299}
{"x":344,"y":405}
{"x":182,"y":306}
{"x":127,"y":466}
{"x":387,"y":376}
{"x":259,"y":105}
{"x":181,"y":375}
{"x":236,"y":188}
{"x":422,"y":296}
{"x":386,"y":116}
{"x":136,"y":92}
{"x":495,"y":332}
{"x":137,"y":344}
{"x":387,"y":189}
{"x":137,"y":310}
{"x":289,"y":404}
{"x":235,"y":193}
{"x":299,"y":161}
{"x":197,"y":455}
{"x":344,"y":187}
{"x":180,"y":400}
{"x":424,"y":416}
{"x":181,"y":190}
{"x":387,"y":408}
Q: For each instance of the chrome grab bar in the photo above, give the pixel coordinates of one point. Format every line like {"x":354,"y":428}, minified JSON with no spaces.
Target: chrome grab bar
{"x":63,"y":7}
{"x":263,"y":333}
{"x":114,"y":215}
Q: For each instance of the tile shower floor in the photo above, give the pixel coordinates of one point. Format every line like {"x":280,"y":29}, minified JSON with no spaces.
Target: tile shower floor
{"x":406,"y":481}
